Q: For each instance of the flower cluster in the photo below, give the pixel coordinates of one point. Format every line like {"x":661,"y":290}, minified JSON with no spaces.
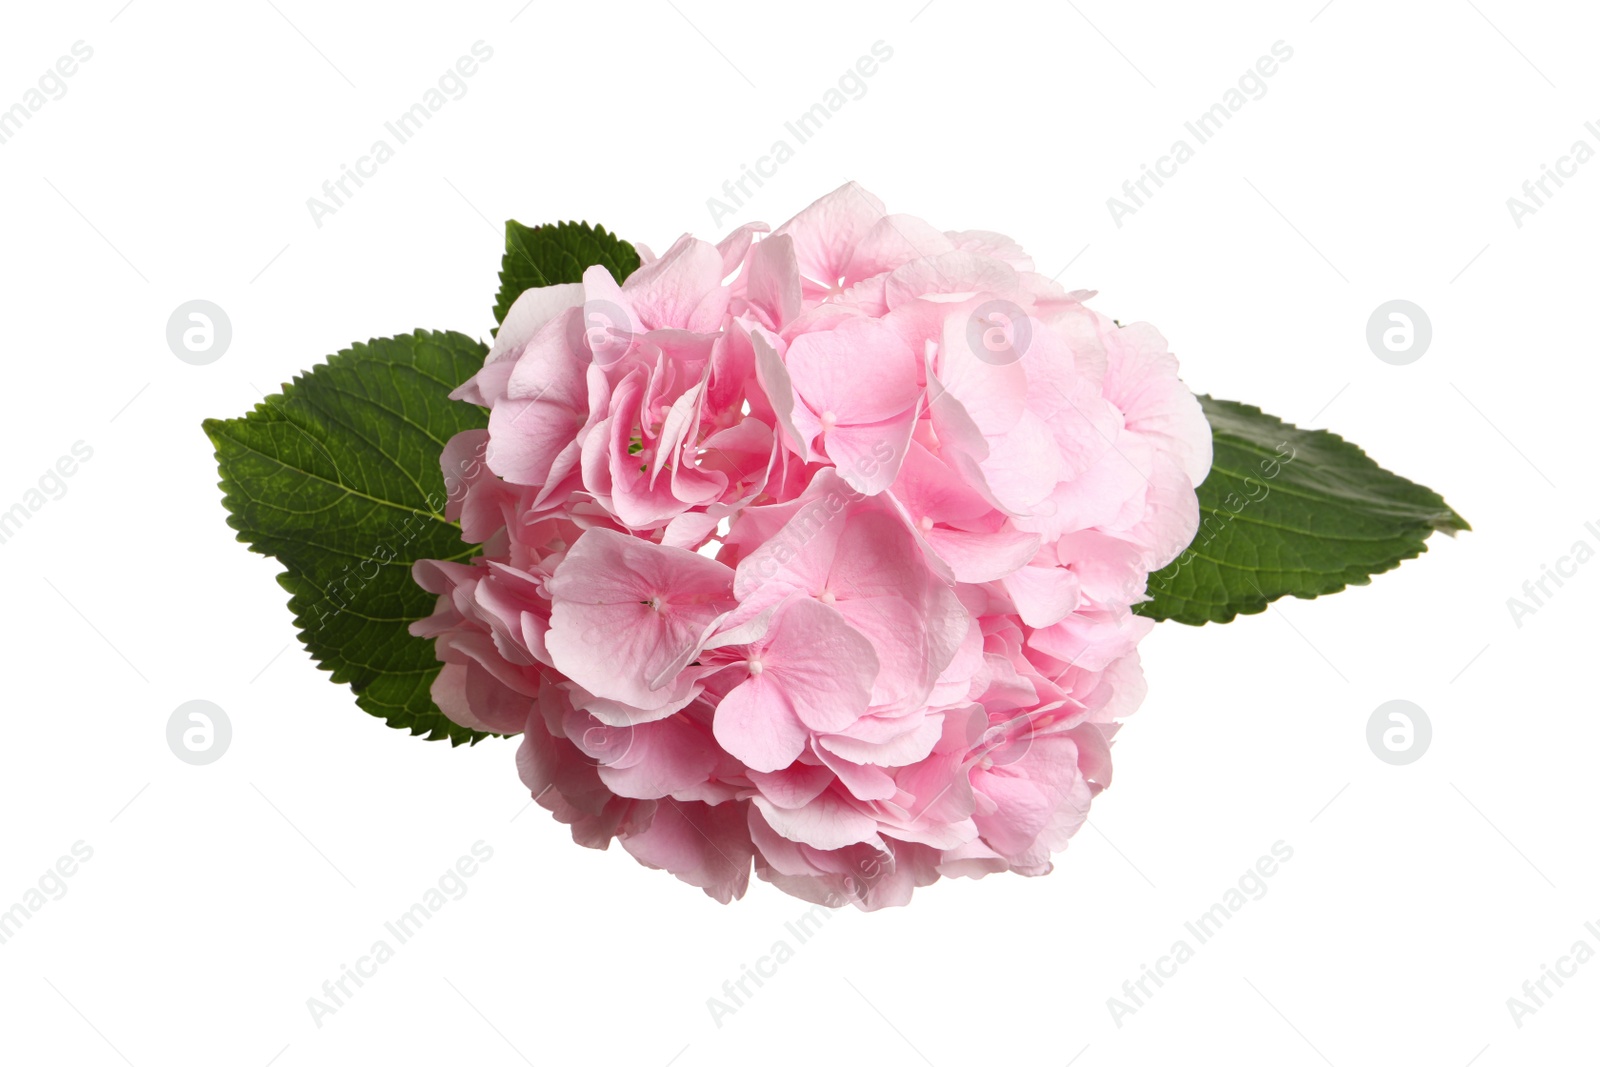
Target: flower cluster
{"x":813,"y":552}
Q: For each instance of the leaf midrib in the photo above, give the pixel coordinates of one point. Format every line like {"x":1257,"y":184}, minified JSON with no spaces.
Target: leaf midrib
{"x":328,"y":481}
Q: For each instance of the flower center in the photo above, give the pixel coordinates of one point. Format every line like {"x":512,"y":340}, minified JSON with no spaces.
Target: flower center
{"x":755,"y":665}
{"x":829,"y":421}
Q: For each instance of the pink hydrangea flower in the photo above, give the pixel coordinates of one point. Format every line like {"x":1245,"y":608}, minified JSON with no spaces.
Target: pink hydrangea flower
{"x":813,"y":553}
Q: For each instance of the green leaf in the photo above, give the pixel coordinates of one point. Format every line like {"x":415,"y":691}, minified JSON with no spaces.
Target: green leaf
{"x":556,"y":255}
{"x":338,"y":477}
{"x":1289,"y":512}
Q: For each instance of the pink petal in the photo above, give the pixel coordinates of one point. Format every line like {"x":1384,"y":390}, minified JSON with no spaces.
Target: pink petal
{"x":627,"y":614}
{"x":756,"y":724}
{"x":868,"y":455}
{"x":682,"y":289}
{"x":774,"y":280}
{"x":826,"y":233}
{"x":861,"y":371}
{"x":793,"y":787}
{"x":704,"y":845}
{"x":828,"y":822}
{"x":825,"y":666}
{"x":1043,"y":595}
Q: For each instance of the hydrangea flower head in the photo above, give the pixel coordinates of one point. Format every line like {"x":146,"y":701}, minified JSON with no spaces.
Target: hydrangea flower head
{"x":813,"y":552}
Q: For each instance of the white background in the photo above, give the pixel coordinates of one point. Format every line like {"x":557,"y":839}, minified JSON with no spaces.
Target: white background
{"x":1377,"y":166}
